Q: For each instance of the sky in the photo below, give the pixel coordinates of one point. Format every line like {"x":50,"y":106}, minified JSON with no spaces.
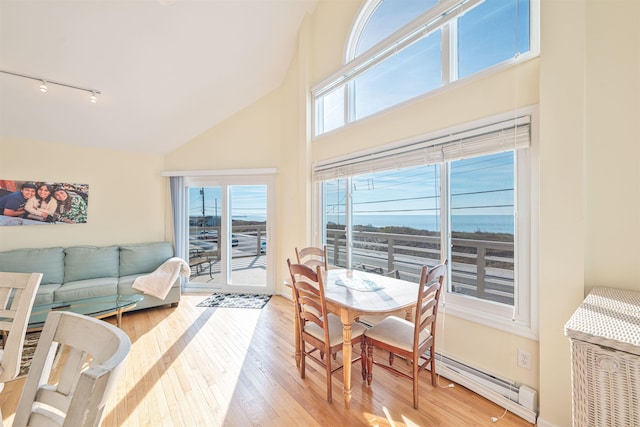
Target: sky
{"x":489,"y":33}
{"x":479,"y":186}
{"x":246,"y":201}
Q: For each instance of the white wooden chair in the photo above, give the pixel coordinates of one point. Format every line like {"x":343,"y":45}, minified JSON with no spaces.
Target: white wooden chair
{"x":17,"y":294}
{"x":75,"y":367}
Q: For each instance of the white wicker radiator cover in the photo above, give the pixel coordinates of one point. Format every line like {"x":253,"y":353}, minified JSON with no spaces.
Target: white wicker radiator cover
{"x":605,"y":359}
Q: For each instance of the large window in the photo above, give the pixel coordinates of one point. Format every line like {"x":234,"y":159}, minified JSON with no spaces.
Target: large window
{"x":481,"y":208}
{"x":399,"y":50}
{"x":492,"y":32}
{"x":412,"y":71}
{"x":463,"y":197}
{"x":391,"y":216}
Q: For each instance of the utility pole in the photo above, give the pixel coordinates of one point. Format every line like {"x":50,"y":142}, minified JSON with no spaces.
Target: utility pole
{"x":204,"y":220}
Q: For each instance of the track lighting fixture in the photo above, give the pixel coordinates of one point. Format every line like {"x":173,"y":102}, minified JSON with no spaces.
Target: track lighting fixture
{"x":44,"y":82}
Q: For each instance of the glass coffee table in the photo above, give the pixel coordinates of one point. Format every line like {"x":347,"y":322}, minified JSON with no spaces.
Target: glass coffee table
{"x":98,"y":307}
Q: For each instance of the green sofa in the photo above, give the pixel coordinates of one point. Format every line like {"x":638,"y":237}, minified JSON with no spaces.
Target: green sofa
{"x":79,"y":272}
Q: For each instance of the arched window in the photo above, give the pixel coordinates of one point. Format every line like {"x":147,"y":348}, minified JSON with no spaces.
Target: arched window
{"x":401,"y":49}
{"x":379,"y":19}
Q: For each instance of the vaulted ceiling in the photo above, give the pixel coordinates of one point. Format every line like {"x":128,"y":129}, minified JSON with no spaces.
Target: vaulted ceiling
{"x":167,"y":70}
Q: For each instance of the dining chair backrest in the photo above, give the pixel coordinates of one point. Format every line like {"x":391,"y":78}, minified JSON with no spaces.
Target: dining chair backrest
{"x":75,"y":368}
{"x":308,"y":291}
{"x":426,"y":310}
{"x":17,"y":295}
{"x":312,"y":256}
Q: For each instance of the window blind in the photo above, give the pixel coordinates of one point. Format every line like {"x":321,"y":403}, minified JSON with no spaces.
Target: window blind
{"x":511,"y":134}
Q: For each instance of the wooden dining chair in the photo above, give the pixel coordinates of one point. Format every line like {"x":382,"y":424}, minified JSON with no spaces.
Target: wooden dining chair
{"x":320,"y":332}
{"x":77,"y":362}
{"x":312,"y":256}
{"x":410,"y":340}
{"x":17,"y":294}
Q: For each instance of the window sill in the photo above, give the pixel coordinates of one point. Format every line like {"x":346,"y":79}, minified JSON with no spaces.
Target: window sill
{"x":492,"y":320}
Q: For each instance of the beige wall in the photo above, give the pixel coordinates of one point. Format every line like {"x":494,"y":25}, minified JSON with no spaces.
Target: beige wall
{"x":562,"y":188}
{"x":329,"y":26}
{"x":612,"y":153}
{"x":589,"y":198}
{"x":249,"y":139}
{"x":127,"y":202}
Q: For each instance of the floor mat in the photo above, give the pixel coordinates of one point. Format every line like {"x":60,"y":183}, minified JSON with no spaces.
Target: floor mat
{"x":29,"y":348}
{"x":235,"y":300}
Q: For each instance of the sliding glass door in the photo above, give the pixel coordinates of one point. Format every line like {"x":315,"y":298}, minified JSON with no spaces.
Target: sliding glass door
{"x":229,"y":224}
{"x":248,"y":234}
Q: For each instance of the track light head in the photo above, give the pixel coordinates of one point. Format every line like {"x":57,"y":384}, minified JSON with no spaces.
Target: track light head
{"x":44,"y":82}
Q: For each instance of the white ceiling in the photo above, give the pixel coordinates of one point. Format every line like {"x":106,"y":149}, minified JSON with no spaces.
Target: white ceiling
{"x":167,"y":69}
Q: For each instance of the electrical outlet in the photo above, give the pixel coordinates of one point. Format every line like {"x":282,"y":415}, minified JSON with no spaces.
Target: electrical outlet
{"x":524,"y":359}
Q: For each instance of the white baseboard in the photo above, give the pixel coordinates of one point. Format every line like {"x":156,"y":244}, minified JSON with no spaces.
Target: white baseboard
{"x":487,"y":393}
{"x":544,"y":423}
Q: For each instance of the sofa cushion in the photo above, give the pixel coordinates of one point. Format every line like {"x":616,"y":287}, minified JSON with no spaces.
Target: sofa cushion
{"x":45,"y":294}
{"x":90,"y":262}
{"x":48,"y":261}
{"x":81,"y":289}
{"x":143,"y":258}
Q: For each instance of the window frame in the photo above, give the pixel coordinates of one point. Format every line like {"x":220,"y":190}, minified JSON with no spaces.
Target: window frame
{"x":441,"y":16}
{"x":522,"y":318}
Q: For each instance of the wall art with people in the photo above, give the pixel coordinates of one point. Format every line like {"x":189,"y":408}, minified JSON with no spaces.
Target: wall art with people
{"x":39,"y":202}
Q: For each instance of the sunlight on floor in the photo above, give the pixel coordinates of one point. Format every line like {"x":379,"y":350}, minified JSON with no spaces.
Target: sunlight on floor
{"x":165,"y":366}
{"x":231,"y":370}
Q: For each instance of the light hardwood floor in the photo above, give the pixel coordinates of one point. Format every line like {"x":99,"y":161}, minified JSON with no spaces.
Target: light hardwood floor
{"x":193,"y":366}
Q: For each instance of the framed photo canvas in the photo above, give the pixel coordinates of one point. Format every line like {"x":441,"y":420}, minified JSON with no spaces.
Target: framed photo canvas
{"x":41,"y":203}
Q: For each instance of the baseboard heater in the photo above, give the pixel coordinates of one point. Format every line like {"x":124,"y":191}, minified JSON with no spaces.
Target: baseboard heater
{"x":518,"y":399}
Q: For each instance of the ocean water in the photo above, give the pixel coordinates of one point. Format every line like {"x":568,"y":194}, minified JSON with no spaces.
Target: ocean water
{"x":463,"y":223}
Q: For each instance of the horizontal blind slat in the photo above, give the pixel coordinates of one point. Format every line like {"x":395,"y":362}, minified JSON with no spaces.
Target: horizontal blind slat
{"x":502,"y":136}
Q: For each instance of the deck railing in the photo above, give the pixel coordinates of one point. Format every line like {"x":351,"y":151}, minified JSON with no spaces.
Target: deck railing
{"x":246,"y":238}
{"x":480,"y":268}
